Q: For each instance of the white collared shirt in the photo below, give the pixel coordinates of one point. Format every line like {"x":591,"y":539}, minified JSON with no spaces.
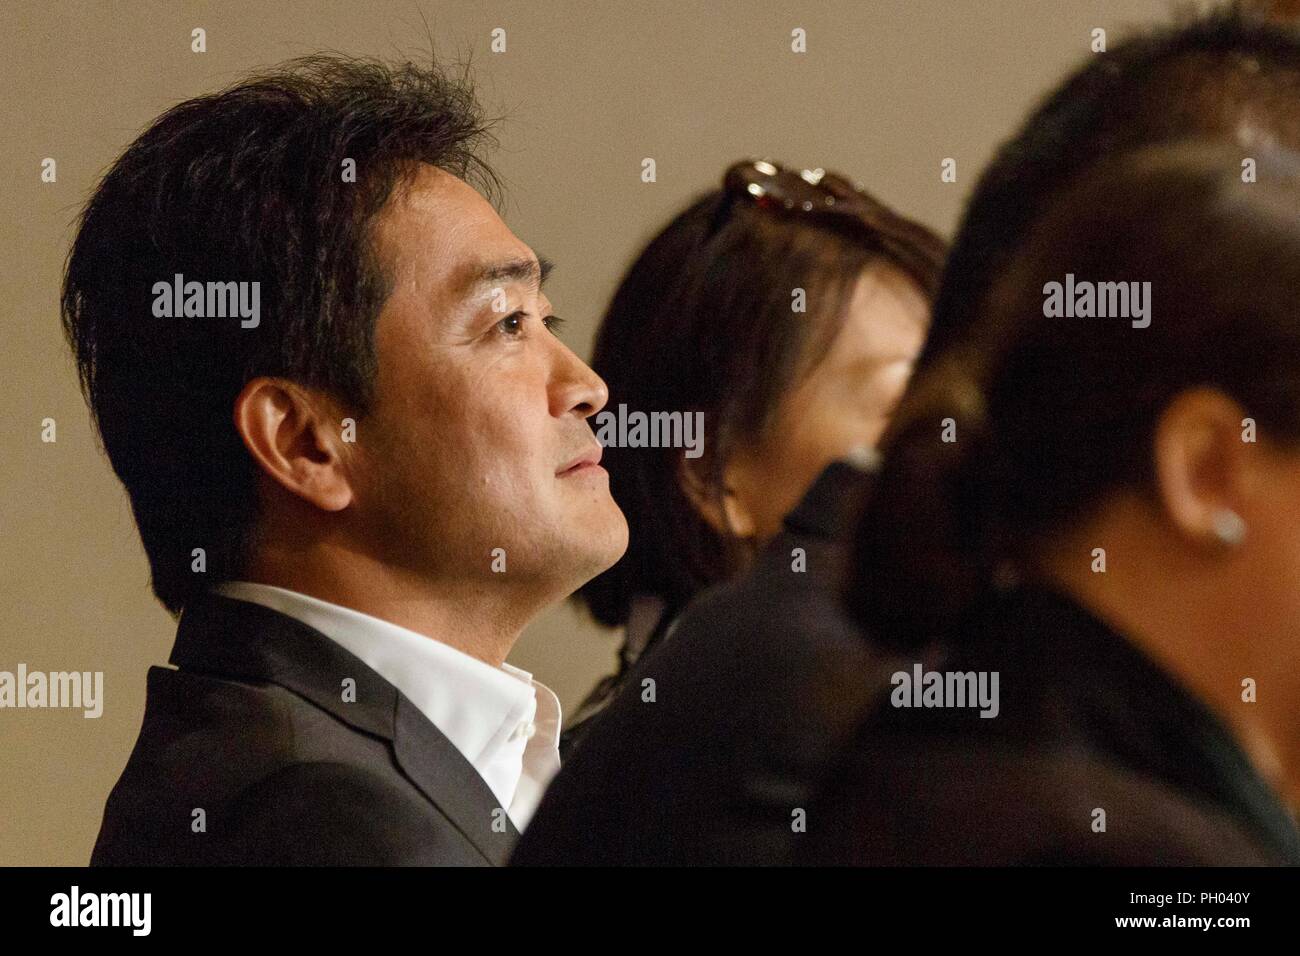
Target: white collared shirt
{"x":506,"y":724}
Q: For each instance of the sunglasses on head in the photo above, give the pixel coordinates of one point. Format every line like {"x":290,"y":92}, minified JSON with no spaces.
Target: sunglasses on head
{"x":813,"y":193}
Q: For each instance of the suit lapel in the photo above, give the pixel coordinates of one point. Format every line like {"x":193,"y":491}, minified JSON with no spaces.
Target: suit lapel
{"x":449,"y":780}
{"x":247,"y":641}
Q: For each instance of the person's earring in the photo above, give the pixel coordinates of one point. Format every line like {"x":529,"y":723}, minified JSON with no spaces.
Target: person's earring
{"x":739,"y":521}
{"x":1228,"y":527}
{"x":864,"y":458}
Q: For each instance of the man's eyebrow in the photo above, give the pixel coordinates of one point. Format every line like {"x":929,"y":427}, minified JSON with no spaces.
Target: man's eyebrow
{"x":511,"y":270}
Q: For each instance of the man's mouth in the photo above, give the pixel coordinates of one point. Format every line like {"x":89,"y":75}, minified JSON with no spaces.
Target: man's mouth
{"x":587,"y":461}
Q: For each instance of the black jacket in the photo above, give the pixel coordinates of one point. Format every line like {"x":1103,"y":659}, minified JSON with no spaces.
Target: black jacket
{"x":249,"y":754}
{"x":1086,"y":723}
{"x":646,"y":638}
{"x":754,"y":690}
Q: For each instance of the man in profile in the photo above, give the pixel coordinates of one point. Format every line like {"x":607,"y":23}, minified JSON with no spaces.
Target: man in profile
{"x":359,"y":463}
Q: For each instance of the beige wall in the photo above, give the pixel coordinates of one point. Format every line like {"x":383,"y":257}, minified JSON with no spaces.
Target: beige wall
{"x":885,"y":91}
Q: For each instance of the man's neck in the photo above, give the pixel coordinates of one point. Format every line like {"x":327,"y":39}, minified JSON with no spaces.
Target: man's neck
{"x":474,"y":618}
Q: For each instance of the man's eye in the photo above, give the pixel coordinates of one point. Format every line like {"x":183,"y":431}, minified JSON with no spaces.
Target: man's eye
{"x":512,"y":324}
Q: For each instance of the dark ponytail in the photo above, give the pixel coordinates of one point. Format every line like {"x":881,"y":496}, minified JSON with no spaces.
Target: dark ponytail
{"x":924,"y":551}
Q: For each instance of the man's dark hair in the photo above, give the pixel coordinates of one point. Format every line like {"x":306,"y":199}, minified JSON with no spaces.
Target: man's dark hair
{"x":248,"y":184}
{"x":1227,"y":76}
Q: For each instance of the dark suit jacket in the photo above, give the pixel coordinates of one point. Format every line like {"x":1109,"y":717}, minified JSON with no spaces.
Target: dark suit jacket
{"x":1086,"y":722}
{"x":756,"y":688}
{"x":253,"y":730}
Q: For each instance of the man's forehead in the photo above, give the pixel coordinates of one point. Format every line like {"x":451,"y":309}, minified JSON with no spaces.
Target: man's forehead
{"x":440,"y":226}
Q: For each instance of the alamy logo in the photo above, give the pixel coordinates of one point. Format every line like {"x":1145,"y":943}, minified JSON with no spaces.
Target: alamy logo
{"x":922,"y":688}
{"x":74,"y":689}
{"x":208,"y":300}
{"x":103,"y":909}
{"x":1100,"y":300}
{"x":626,"y":429}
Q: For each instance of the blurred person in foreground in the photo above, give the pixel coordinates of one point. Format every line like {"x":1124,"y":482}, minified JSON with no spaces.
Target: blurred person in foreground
{"x":1086,"y":529}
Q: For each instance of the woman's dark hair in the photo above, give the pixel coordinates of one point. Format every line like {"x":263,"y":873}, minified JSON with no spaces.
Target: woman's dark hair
{"x":1052,"y":415}
{"x":703,"y":321}
{"x":248,"y":184}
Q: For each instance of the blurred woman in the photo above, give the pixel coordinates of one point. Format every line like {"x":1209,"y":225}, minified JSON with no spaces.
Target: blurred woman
{"x":1084,"y":544}
{"x":787,"y":308}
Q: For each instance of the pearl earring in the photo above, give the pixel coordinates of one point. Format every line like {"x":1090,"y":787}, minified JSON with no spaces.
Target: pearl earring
{"x":1228,"y":527}
{"x":864,"y":458}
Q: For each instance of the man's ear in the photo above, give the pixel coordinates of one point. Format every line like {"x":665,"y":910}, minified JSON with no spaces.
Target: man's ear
{"x":1203,"y":469}
{"x":295,"y":436}
{"x":728,"y":517}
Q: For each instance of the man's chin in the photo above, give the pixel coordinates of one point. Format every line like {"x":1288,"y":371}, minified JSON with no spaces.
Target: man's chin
{"x":604,"y":536}
{"x":574,"y":545}
{"x":613,"y":540}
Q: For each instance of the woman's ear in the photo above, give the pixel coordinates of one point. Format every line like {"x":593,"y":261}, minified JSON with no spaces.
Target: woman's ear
{"x":730,"y":516}
{"x":1203,"y":468}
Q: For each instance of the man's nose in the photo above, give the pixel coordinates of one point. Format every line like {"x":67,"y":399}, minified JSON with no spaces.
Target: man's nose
{"x":576,"y":389}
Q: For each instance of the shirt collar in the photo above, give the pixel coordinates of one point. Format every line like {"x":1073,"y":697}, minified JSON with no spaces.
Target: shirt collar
{"x":500,"y":719}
